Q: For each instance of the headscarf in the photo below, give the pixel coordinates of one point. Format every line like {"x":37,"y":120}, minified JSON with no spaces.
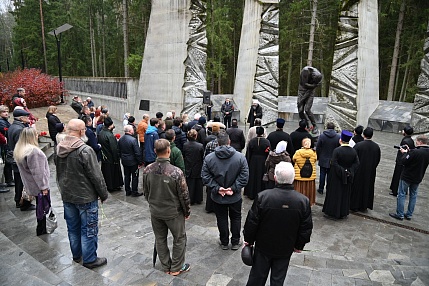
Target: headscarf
{"x":281,"y":147}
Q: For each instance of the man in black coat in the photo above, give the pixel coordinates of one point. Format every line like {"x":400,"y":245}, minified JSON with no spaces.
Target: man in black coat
{"x":280,"y":223}
{"x":131,"y":158}
{"x":254,"y":112}
{"x":180,"y":135}
{"x":279,"y":135}
{"x":236,"y":135}
{"x":415,"y":162}
{"x":300,"y":134}
{"x":4,"y":126}
{"x":227,"y":110}
{"x":326,"y":144}
{"x":407,"y":140}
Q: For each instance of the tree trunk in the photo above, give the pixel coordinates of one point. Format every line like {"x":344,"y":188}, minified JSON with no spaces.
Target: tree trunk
{"x":289,"y":71}
{"x":92,"y":42}
{"x":125,"y":32}
{"x":312,"y":29}
{"x":396,"y":52}
{"x":43,"y":36}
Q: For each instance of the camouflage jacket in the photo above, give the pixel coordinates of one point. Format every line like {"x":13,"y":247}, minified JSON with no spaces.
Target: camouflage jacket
{"x":164,"y":187}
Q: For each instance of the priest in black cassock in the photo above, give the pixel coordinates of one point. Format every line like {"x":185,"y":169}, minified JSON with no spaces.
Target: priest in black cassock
{"x":362,"y":196}
{"x":344,"y":164}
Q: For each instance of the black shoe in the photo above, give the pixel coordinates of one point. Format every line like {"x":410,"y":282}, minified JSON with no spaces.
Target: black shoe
{"x":100,"y":261}
{"x":128,"y":194}
{"x":136,"y":194}
{"x":236,"y":246}
{"x":407,"y":217}
{"x":18,"y":205}
{"x":320,"y":191}
{"x":77,"y":260}
{"x":393,"y":194}
{"x":2,"y":190}
{"x":29,"y":208}
{"x":394,"y":215}
{"x":10,"y":184}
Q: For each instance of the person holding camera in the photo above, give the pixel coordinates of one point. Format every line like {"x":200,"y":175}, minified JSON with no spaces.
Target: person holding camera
{"x":407,"y":140}
{"x":415,"y":162}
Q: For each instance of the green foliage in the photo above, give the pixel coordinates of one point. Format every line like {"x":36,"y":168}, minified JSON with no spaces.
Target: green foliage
{"x":134,"y":62}
{"x":41,"y":89}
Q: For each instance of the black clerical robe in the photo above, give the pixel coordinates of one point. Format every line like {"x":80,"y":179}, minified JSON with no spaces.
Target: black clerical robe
{"x":362,"y":196}
{"x":256,"y":155}
{"x":344,"y":164}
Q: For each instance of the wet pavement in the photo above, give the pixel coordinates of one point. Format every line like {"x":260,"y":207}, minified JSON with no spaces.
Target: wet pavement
{"x":368,"y":248}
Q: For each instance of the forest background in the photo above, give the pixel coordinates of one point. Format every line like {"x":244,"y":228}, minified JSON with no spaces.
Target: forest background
{"x":108,"y":40}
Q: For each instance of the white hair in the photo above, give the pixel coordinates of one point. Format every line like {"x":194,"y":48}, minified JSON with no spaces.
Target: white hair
{"x":169,"y":114}
{"x":197,"y":116}
{"x":284,"y":173}
{"x":128,"y":128}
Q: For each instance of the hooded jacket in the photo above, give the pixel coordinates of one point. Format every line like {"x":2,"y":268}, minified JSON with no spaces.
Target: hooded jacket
{"x":227,"y":168}
{"x":78,"y":173}
{"x":150,"y":137}
{"x":328,"y":141}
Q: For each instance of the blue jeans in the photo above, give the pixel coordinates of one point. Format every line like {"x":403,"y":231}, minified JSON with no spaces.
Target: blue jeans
{"x":323,"y":173}
{"x":82,"y":227}
{"x":402,"y":192}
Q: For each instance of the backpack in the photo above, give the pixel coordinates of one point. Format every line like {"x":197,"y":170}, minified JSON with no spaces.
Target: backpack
{"x":307,"y":169}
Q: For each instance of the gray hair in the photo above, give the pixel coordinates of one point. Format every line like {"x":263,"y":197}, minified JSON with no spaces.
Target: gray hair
{"x":285,"y":173}
{"x":128,"y":128}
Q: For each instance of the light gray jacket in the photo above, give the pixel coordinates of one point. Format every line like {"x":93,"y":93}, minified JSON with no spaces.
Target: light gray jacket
{"x":34,"y":172}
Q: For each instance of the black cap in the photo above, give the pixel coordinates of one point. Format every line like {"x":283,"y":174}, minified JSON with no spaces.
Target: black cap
{"x":408,"y":130}
{"x":108,"y":121}
{"x":280,"y":122}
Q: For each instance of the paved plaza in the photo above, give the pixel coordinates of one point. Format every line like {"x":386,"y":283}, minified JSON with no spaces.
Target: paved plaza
{"x":365,"y":249}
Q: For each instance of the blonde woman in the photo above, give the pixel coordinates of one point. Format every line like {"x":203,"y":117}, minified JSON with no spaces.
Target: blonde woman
{"x":305,"y":185}
{"x":34,"y":170}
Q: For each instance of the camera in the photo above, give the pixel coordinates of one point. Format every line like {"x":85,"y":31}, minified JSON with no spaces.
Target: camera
{"x":400,"y":146}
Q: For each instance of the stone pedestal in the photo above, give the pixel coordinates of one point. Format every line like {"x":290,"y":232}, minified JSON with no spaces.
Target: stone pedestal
{"x":162,"y":73}
{"x":353,"y":94}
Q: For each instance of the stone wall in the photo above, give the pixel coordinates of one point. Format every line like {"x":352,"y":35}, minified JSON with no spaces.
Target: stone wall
{"x":118,"y":94}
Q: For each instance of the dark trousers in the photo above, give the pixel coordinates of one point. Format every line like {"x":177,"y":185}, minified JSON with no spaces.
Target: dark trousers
{"x":142,"y":149}
{"x":323,"y":175}
{"x":227,"y":121}
{"x":209,"y":201}
{"x":7,"y":172}
{"x":234,"y":211}
{"x":131,"y":176}
{"x":19,"y":186}
{"x":41,"y":223}
{"x":195,"y":187}
{"x":305,"y":102}
{"x":262,"y":264}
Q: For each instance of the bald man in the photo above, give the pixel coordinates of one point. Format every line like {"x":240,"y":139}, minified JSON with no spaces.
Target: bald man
{"x":81,"y":184}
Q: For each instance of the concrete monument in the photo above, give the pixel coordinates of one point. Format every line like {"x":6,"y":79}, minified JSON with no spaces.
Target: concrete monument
{"x":354,"y":86}
{"x":257,"y":74}
{"x":420,"y":113}
{"x":166,"y":49}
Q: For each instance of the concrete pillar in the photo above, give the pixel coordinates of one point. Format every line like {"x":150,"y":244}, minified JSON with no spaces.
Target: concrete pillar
{"x":162,"y":73}
{"x":420,"y":114}
{"x":354,"y":87}
{"x":258,"y":62}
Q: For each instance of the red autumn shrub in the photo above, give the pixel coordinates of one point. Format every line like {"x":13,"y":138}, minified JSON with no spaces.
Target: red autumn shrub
{"x":40,"y":89}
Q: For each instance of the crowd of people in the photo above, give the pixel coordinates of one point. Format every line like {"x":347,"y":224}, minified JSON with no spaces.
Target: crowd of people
{"x":179,"y":158}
